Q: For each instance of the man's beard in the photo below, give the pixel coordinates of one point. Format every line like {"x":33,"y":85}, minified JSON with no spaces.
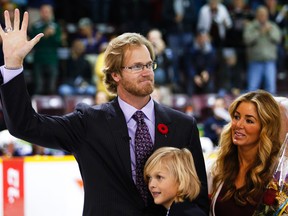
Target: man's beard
{"x":135,"y":89}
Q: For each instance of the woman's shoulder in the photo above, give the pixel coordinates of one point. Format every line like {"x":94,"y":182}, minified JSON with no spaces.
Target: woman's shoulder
{"x":210,"y":161}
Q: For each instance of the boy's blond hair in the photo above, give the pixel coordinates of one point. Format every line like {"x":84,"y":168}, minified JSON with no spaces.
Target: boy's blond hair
{"x":180,"y":164}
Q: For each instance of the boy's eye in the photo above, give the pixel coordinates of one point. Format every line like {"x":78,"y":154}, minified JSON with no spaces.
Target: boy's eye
{"x":159,"y":177}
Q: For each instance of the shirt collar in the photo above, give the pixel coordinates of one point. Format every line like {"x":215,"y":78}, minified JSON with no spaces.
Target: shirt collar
{"x":129,"y":110}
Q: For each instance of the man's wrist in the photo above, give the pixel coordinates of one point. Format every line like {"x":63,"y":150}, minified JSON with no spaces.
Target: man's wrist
{"x":9,"y":73}
{"x":12,"y":68}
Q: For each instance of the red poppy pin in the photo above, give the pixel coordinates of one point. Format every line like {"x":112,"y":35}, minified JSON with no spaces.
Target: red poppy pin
{"x":162,"y":128}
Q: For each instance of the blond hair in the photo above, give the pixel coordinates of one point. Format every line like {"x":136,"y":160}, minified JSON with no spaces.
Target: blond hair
{"x":259,"y":173}
{"x":180,"y":163}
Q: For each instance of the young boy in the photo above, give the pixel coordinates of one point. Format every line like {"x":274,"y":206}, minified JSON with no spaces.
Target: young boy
{"x":172,"y":179}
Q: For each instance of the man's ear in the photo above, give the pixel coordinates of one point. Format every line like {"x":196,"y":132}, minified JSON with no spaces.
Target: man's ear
{"x":116,"y":76}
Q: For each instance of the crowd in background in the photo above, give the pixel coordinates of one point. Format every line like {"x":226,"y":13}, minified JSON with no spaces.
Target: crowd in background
{"x":198,"y":42}
{"x":202,"y":47}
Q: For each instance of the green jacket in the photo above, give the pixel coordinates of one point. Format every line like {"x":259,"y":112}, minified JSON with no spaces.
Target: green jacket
{"x":45,"y":51}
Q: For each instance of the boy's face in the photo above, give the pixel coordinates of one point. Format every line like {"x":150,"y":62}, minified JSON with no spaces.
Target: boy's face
{"x":163,"y":186}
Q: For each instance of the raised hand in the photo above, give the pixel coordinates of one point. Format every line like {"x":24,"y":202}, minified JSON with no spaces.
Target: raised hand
{"x":14,"y":37}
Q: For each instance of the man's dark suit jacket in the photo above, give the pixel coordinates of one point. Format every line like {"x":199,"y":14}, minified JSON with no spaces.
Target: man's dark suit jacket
{"x":98,"y":138}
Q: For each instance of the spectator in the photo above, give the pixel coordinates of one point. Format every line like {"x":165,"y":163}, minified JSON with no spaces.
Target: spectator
{"x":262,"y":37}
{"x":156,"y":94}
{"x":33,"y":7}
{"x":236,"y":64}
{"x":214,"y":18}
{"x":39,"y":151}
{"x":203,"y":65}
{"x":163,"y":57}
{"x":90,"y":37}
{"x":8,"y":144}
{"x":254,"y":4}
{"x":78,"y":77}
{"x":101,"y":97}
{"x":231,"y":82}
{"x":277,"y":14}
{"x":214,"y":124}
{"x":179,"y":21}
{"x":98,"y":71}
{"x":45,"y":65}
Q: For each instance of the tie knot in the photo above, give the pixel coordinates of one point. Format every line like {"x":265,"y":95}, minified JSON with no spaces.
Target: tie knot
{"x":138,"y":116}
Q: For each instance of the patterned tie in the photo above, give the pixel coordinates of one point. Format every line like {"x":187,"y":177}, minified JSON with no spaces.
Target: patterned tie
{"x":143,"y":149}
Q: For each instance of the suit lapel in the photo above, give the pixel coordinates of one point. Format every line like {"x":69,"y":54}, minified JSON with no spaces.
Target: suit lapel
{"x":161,"y":117}
{"x":117,"y":122}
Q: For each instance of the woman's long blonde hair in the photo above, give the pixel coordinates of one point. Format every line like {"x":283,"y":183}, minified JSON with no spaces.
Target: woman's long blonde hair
{"x":260,"y":172}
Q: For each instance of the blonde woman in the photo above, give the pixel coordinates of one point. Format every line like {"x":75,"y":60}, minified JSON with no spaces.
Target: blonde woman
{"x":172,"y":178}
{"x":248,"y":148}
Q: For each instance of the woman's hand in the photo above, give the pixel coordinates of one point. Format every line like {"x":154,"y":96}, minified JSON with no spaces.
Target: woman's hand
{"x":14,"y":37}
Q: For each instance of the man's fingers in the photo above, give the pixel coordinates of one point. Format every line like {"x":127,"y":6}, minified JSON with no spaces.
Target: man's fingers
{"x":7,"y":19}
{"x":36,"y":39}
{"x":16,"y":19}
{"x":24,"y":25}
